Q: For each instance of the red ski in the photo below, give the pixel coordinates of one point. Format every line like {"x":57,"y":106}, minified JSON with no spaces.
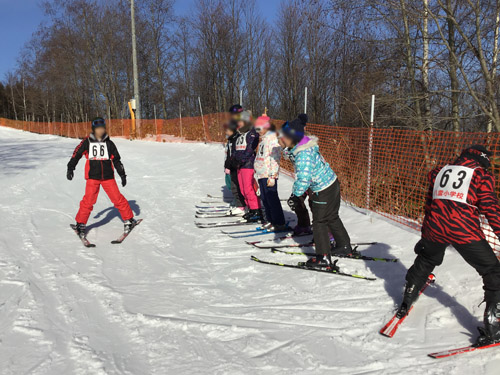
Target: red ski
{"x":390,"y":328}
{"x":466,"y":349}
{"x":124,"y":235}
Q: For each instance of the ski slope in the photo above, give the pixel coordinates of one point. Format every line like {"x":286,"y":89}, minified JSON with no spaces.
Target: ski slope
{"x":176,"y":299}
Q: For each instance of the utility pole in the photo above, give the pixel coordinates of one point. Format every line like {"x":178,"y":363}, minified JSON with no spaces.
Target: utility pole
{"x":134,"y":63}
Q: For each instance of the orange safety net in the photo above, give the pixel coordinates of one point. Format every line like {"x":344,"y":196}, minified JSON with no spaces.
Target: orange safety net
{"x":391,"y":180}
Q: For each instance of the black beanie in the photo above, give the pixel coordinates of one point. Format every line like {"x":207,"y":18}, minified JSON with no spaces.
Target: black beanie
{"x":295,"y":129}
{"x":478,"y":153}
{"x":236,"y":108}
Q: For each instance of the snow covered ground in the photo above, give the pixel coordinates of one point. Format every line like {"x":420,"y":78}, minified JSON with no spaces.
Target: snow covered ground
{"x":175,"y":299}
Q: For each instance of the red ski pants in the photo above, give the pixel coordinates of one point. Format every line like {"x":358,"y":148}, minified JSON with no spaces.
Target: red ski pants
{"x":91,"y":194}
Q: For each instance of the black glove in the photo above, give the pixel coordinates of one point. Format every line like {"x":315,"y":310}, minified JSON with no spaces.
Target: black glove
{"x":419,"y":247}
{"x":293,"y":202}
{"x":124,"y":180}
{"x":69,"y":174}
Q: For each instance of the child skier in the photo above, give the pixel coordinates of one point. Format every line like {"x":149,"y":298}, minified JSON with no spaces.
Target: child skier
{"x":238,"y":204}
{"x":457,"y":195}
{"x":313,"y":172}
{"x":244,"y":158}
{"x":101,"y":154}
{"x":267,"y":165}
{"x":303,"y":226}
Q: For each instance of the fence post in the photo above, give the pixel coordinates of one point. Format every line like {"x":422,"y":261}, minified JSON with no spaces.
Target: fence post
{"x":156,"y":125}
{"x":370,"y":151}
{"x":305,"y":100}
{"x":180,"y":117}
{"x":203,"y":120}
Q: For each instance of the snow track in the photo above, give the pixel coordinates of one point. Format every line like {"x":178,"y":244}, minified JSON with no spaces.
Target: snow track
{"x":181,"y":300}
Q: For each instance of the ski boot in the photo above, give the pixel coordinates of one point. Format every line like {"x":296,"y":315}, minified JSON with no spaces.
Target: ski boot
{"x":410,"y":296}
{"x":266,"y":226}
{"x":323,"y":262}
{"x":246,"y":215}
{"x":344,"y":251}
{"x":278,"y":228}
{"x":490,"y":334}
{"x":254,"y":216}
{"x":80,"y":229}
{"x":236,"y":211}
{"x":302,"y":231}
{"x":129,"y":225}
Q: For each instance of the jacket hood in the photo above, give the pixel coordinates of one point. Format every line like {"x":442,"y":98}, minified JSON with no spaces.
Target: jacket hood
{"x":246,"y":128}
{"x":105,"y":137}
{"x":479,"y":154}
{"x":470,"y":162}
{"x":306,"y":143}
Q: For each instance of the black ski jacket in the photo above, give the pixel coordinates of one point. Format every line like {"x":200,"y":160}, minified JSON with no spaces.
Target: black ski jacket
{"x":102,"y":158}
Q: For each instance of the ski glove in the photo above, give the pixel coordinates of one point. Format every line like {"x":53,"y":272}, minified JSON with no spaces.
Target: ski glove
{"x":69,"y":174}
{"x":124,"y":180}
{"x":293,"y":202}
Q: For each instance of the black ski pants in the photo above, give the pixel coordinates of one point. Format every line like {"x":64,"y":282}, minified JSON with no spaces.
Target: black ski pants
{"x":303,"y":219}
{"x":326,"y":220}
{"x":239,"y":200}
{"x":478,"y":254}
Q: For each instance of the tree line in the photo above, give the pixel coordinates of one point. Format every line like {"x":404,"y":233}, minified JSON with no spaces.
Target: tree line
{"x":432,"y":64}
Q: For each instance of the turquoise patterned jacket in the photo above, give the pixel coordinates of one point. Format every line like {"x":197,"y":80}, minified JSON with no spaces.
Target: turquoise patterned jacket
{"x":311,"y":169}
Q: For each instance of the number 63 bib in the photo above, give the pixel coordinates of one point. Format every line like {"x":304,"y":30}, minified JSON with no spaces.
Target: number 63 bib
{"x":452,"y":183}
{"x":98,"y":151}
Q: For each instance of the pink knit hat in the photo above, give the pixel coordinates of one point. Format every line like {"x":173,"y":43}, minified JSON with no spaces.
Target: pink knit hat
{"x":263,"y":121}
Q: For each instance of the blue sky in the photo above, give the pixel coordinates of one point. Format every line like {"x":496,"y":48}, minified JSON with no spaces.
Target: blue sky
{"x":19,"y":19}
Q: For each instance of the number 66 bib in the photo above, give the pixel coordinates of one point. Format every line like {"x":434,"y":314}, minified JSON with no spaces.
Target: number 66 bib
{"x":98,"y":151}
{"x":452,"y":183}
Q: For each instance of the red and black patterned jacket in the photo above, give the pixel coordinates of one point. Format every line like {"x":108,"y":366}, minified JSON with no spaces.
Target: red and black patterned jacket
{"x":101,"y":158}
{"x":451,"y":222}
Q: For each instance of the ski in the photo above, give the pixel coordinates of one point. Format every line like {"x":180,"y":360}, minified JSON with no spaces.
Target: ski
{"x":260,"y":232}
{"x":205,"y":207}
{"x":359,"y":257}
{"x":466,"y":349}
{"x":301,"y":266}
{"x":307,"y":244}
{"x":219,"y":196}
{"x":125,"y":234}
{"x":216,"y":201}
{"x":83,"y":238}
{"x":392,"y":326}
{"x":257,"y":229}
{"x":213,"y":212}
{"x":222,"y":224}
{"x":210,"y":216}
{"x":256,"y":243}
